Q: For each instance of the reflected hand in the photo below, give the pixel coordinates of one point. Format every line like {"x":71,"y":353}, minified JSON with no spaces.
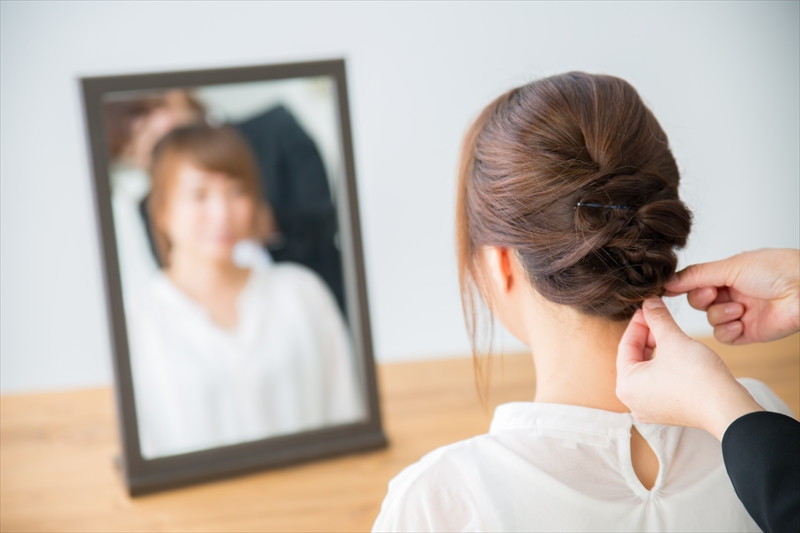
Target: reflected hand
{"x":685,"y":384}
{"x":750,"y":297}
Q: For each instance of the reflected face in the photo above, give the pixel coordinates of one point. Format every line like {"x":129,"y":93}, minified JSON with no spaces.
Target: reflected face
{"x":207,"y":213}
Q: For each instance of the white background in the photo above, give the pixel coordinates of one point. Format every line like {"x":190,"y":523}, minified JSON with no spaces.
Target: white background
{"x":723,"y":79}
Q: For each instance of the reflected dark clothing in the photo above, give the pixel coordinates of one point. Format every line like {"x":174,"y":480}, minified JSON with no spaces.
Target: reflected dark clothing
{"x":762,"y":455}
{"x":295,"y":184}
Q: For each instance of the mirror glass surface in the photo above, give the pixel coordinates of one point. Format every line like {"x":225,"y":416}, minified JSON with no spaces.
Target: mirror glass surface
{"x":226,"y":202}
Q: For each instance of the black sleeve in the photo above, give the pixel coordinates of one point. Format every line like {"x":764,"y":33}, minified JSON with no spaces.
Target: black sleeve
{"x":762,"y":455}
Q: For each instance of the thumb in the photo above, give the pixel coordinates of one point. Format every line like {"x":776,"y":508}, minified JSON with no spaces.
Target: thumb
{"x":633,"y":343}
{"x":660,"y":320}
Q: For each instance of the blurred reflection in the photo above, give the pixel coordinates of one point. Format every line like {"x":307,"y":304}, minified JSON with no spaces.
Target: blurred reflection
{"x":222,"y":352}
{"x":230,"y":268}
{"x":292,"y":177}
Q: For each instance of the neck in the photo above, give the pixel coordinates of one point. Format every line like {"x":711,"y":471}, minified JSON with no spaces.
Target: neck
{"x":200,"y":278}
{"x":575,"y":357}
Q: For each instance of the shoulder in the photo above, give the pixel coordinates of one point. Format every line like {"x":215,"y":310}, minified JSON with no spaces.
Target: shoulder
{"x":438,"y":493}
{"x":150,"y":297}
{"x":294,"y":285}
{"x":293,"y":271}
{"x":765,"y":396}
{"x":444,"y":460}
{"x":158,"y":299}
{"x":296,"y":278}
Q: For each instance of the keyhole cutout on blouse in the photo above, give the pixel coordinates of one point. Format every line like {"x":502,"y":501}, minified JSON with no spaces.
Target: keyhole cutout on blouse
{"x":644,"y":460}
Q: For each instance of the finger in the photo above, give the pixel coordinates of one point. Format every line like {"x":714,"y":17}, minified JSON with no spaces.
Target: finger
{"x":723,"y":295}
{"x":723,"y":313}
{"x":701,"y":298}
{"x":659,"y":319}
{"x":728,"y":333}
{"x":651,"y":341}
{"x":648,"y":354}
{"x":631,"y":349}
{"x":713,"y":274}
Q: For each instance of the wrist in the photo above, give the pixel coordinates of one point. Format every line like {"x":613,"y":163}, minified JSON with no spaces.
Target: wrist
{"x":734,"y":402}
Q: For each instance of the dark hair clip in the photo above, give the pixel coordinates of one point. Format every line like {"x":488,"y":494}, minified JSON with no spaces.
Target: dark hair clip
{"x":581,"y":204}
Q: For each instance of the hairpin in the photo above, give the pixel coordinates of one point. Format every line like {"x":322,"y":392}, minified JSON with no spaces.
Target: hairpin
{"x":581,"y":204}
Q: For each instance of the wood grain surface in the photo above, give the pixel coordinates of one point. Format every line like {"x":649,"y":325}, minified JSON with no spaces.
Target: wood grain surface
{"x":57,"y":453}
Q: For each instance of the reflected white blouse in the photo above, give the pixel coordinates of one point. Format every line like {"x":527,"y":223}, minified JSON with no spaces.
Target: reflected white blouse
{"x":287,"y":367}
{"x":551,"y":467}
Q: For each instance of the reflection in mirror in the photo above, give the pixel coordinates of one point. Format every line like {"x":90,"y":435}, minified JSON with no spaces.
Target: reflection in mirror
{"x":225,"y":203}
{"x":231,"y":275}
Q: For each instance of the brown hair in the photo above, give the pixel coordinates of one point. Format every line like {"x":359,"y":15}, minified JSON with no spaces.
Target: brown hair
{"x":214,"y":149}
{"x":574,"y":173}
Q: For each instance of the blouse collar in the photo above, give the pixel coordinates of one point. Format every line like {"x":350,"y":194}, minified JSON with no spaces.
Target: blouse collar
{"x":585,"y":424}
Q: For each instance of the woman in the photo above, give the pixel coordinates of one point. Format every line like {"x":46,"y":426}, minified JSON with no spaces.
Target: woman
{"x":567,"y":220}
{"x":223,"y":354}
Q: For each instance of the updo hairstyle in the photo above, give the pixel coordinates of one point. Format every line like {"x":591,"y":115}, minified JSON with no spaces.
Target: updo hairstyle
{"x":573,"y":173}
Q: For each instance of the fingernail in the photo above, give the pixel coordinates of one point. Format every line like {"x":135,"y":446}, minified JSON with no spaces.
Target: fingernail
{"x":653,"y":303}
{"x":733,"y":326}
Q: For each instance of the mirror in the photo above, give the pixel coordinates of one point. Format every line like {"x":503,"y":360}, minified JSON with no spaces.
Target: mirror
{"x":228,"y":218}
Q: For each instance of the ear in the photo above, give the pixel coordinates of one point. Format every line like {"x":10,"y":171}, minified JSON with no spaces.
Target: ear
{"x":501,"y":273}
{"x":505,"y":283}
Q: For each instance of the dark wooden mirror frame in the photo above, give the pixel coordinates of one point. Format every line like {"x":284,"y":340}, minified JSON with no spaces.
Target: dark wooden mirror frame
{"x":147,"y":475}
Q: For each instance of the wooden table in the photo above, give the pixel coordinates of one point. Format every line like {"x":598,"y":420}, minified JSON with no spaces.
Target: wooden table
{"x":57,"y":450}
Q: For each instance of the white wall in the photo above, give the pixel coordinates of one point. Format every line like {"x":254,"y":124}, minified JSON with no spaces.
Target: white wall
{"x":722,"y":77}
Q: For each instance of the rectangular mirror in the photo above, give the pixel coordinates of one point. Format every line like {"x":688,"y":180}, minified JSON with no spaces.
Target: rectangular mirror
{"x":228,"y":219}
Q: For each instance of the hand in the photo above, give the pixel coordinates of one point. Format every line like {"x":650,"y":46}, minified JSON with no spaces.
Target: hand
{"x":750,"y":297}
{"x":684,"y":384}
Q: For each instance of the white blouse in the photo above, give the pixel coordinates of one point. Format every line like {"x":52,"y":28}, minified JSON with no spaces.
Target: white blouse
{"x":287,"y":367}
{"x":551,"y":467}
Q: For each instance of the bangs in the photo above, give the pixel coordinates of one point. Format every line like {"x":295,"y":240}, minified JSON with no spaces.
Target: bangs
{"x":212,"y":149}
{"x":221,"y":150}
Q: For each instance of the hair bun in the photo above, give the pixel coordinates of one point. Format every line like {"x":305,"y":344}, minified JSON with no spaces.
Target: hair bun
{"x":632,"y":225}
{"x":575,"y":174}
{"x":625,"y":229}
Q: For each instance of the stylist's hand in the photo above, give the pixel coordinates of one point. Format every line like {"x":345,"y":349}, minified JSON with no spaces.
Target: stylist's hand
{"x":750,"y":297}
{"x":685,"y":384}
